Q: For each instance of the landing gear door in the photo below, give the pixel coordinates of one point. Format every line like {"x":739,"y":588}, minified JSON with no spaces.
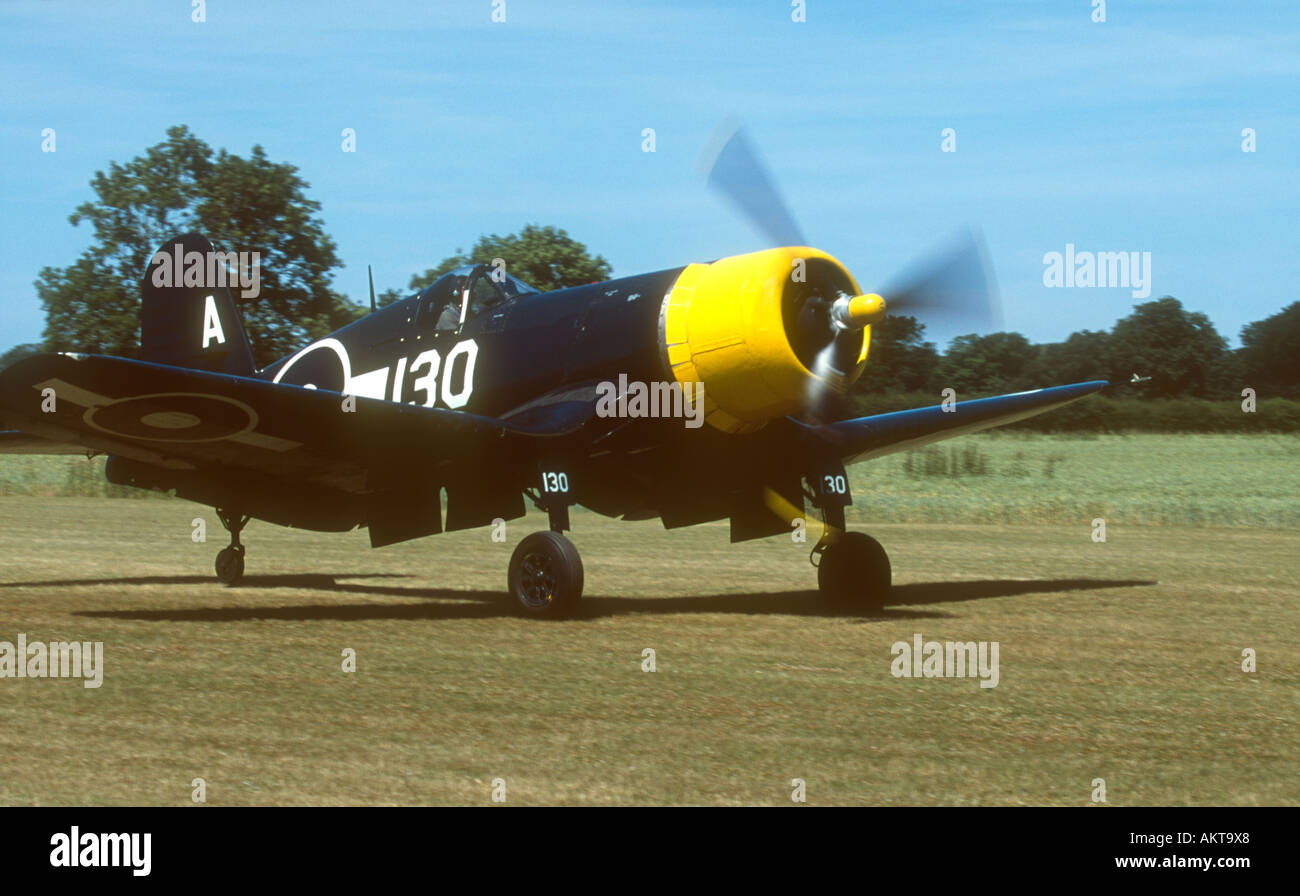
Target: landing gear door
{"x":830,"y":486}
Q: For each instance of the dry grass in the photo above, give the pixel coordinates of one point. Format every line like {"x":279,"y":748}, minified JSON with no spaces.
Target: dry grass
{"x":1118,"y":660}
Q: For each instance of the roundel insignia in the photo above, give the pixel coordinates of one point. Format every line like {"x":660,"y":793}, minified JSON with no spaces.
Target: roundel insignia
{"x":321,"y":365}
{"x":174,"y":417}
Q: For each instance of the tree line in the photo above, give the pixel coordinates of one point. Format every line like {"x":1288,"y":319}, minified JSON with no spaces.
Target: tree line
{"x":1177,"y":353}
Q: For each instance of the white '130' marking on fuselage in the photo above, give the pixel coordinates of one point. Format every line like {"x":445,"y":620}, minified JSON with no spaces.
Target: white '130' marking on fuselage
{"x":427,"y":382}
{"x":421,"y":373}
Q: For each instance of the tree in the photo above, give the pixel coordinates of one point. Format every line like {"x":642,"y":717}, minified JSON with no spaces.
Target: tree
{"x":242,"y":204}
{"x":1270,"y":353}
{"x":897,"y":358}
{"x":388,"y":297}
{"x":545,"y":258}
{"x":996,"y":362}
{"x":1179,"y":349}
{"x":1082,"y":357}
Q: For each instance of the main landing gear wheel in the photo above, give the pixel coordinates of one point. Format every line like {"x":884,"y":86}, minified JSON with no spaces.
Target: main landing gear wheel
{"x":546,"y":576}
{"x":230,"y":565}
{"x":854,"y":572}
{"x":230,"y":562}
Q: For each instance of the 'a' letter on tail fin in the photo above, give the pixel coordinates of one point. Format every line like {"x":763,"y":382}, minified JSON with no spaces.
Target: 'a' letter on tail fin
{"x":211,"y":321}
{"x":188,"y":317}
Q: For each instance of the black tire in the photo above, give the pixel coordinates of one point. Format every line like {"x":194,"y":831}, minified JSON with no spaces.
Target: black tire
{"x":546,"y":576}
{"x":230,"y":565}
{"x":854,"y":573}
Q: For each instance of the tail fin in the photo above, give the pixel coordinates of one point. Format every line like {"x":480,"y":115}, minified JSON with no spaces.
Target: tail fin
{"x":188,"y":317}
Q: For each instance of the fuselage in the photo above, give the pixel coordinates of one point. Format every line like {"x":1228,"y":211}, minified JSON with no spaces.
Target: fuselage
{"x":497,"y":360}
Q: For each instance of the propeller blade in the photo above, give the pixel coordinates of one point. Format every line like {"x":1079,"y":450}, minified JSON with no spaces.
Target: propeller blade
{"x":735,"y":170}
{"x":817,"y":390}
{"x":952,"y":287}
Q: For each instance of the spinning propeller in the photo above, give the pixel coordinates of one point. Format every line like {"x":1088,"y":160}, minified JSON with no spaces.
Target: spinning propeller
{"x":951,"y":286}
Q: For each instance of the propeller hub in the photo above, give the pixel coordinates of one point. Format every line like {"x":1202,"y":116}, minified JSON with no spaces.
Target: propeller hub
{"x":856,"y":312}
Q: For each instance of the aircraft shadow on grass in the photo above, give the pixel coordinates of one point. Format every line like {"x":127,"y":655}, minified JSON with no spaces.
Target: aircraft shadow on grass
{"x":295,"y":580}
{"x":479,"y":604}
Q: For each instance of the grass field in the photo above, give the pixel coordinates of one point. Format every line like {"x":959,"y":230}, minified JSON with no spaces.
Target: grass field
{"x":1118,"y":661}
{"x":1138,"y":479}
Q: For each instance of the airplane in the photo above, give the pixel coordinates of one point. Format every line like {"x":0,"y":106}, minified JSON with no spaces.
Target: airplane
{"x":496,"y":393}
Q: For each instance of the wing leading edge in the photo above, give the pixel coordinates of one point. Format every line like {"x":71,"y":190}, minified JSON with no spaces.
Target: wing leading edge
{"x":863,"y":438}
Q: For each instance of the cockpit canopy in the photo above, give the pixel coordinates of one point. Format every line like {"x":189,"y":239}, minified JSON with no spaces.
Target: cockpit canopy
{"x":466,"y":293}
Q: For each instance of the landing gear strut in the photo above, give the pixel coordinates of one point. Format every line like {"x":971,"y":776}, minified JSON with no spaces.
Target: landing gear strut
{"x":230,"y":561}
{"x":853,"y":569}
{"x":546,"y":575}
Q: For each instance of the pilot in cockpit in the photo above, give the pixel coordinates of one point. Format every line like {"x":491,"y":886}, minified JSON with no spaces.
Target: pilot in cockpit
{"x":468,"y":292}
{"x":449,"y":319}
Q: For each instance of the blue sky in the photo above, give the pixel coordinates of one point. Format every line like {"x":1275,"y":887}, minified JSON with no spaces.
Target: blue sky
{"x":1122,"y":136}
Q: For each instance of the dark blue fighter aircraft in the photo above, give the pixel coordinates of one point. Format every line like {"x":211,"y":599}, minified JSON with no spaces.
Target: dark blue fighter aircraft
{"x":692,"y":394}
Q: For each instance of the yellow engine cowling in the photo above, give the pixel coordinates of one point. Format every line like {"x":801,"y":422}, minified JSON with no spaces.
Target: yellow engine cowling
{"x":731,"y":326}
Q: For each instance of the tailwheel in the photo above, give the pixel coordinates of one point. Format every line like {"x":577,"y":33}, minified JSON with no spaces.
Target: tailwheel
{"x":546,"y":576}
{"x":854,"y":572}
{"x":230,"y":561}
{"x":230,"y":565}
